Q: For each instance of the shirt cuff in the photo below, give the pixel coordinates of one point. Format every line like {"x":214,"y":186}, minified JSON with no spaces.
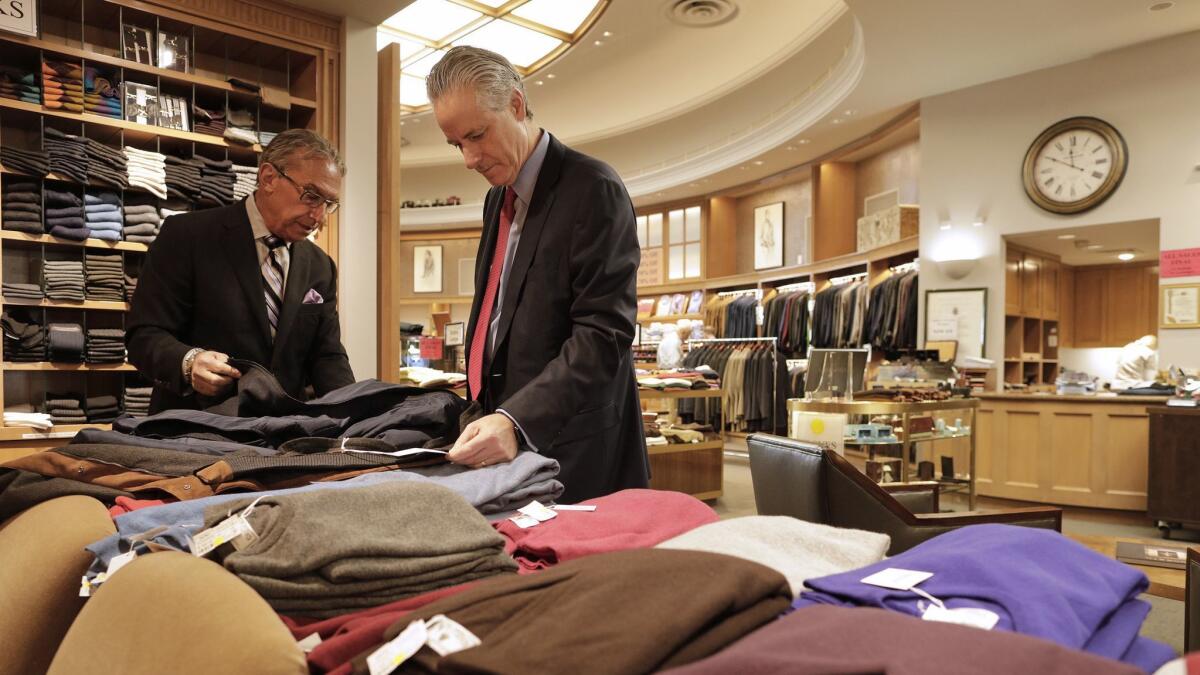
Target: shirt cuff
{"x":521,"y":435}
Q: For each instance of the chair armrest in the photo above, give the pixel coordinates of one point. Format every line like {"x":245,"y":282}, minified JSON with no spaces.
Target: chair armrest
{"x":917,"y":497}
{"x":1048,"y":517}
{"x":1191,"y":607}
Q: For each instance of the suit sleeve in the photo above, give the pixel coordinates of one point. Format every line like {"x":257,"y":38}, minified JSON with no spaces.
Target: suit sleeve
{"x":329,"y":367}
{"x":163,"y":308}
{"x":593,"y":364}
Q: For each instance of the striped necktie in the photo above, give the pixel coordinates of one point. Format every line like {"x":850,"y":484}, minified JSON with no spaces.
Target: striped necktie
{"x":272,"y":274}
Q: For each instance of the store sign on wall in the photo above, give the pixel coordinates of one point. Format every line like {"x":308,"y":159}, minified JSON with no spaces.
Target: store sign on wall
{"x":650,"y":272}
{"x":19,"y":16}
{"x":1179,"y":262}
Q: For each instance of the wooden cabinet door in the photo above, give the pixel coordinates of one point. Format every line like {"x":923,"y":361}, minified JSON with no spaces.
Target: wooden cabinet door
{"x":1050,"y":282}
{"x":1012,"y":282}
{"x":1066,"y":306}
{"x":1031,"y":285}
{"x":1090,"y":309}
{"x":1125,"y":319}
{"x":1151,"y":301}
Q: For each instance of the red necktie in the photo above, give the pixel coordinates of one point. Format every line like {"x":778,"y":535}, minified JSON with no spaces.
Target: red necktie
{"x":483,"y":324}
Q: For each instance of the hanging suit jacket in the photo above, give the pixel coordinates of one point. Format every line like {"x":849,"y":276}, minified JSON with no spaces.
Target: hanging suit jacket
{"x":201,"y":286}
{"x":561,"y":364}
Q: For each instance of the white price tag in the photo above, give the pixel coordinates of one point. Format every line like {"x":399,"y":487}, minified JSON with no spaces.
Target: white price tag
{"x":538,"y":511}
{"x":85,"y":588}
{"x":446,"y":636}
{"x":574,"y":507}
{"x":899,"y":579}
{"x":523,"y":522}
{"x":310,"y":643}
{"x":385,"y":659}
{"x":976,"y":617}
{"x":227,"y":530}
{"x":120,"y":561}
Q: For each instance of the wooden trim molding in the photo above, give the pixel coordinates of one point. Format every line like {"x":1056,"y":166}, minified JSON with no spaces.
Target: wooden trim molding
{"x":388,"y":223}
{"x":267,"y":18}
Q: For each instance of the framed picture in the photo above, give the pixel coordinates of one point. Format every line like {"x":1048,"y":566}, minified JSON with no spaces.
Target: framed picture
{"x":173,"y":53}
{"x":136,"y":44}
{"x":768,"y":236}
{"x":20,"y":18}
{"x":141,"y":103}
{"x":173,"y":112}
{"x":455,"y":333}
{"x":466,"y":277}
{"x":427,"y":269}
{"x":957,"y":314}
{"x":1179,"y":306}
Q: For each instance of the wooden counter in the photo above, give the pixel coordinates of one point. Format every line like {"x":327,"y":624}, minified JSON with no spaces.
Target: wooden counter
{"x":1073,"y":450}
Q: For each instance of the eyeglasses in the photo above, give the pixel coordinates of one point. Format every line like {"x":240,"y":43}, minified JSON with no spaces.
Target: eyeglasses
{"x":309,"y":198}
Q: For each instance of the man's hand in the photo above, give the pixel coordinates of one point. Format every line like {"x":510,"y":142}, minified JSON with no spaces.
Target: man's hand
{"x":212,"y":374}
{"x":486,"y":441}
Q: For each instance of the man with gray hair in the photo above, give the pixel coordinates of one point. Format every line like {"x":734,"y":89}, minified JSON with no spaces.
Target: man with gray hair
{"x":243,"y":281}
{"x":551,"y":324}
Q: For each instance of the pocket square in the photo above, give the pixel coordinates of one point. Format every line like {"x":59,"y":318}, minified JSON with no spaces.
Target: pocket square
{"x":313,"y":297}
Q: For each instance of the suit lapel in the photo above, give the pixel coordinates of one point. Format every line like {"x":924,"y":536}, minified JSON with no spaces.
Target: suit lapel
{"x":239,"y":241}
{"x":293,"y":292}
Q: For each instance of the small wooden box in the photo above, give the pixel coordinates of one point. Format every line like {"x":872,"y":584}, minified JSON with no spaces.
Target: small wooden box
{"x":888,"y":226}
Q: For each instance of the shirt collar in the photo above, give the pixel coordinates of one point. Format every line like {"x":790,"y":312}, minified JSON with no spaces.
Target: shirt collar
{"x":527,"y":178}
{"x":258,"y":225}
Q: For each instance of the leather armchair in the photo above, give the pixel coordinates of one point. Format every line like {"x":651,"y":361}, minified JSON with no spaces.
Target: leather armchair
{"x":793,"y":478}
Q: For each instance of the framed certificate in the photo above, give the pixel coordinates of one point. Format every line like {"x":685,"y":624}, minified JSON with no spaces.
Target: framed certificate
{"x":960,"y":315}
{"x":1179,"y":306}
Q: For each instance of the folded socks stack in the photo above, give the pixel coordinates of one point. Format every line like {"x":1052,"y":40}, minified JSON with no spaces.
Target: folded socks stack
{"x":19,"y":291}
{"x":68,"y":154}
{"x":64,"y":215}
{"x":29,"y":162}
{"x":147,"y":170}
{"x":65,"y":408}
{"x":137,"y":401}
{"x":130,"y":286}
{"x":246,"y":181}
{"x":106,"y":165}
{"x":105,"y":345}
{"x":66,"y":342}
{"x":183,"y":177}
{"x":217,"y":180}
{"x":102,"y":409}
{"x":141,"y":223}
{"x":105,"y":277}
{"x":240,"y":127}
{"x":206,"y":121}
{"x":102,"y":213}
{"x":101,"y":95}
{"x":62,"y":85}
{"x":64,"y":279}
{"x":24,"y":338}
{"x":20,"y":84}
{"x":22,"y":203}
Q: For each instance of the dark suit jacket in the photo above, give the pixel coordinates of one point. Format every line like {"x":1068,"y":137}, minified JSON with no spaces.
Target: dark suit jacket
{"x":201,"y":286}
{"x":562,"y":365}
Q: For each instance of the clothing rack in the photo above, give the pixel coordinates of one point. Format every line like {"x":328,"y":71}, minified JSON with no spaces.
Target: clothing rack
{"x":914,"y":266}
{"x":774,"y":369}
{"x":798,"y":286}
{"x":849,"y":278}
{"x":756,"y":292}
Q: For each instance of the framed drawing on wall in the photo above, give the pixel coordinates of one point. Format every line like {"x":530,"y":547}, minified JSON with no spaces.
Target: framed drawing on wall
{"x":427,"y":269}
{"x":768,"y":236}
{"x":466,"y":277}
{"x":957,"y":314}
{"x":454,"y":334}
{"x":1179,"y":306}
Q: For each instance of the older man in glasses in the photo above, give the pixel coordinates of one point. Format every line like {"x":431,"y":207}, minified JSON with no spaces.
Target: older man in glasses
{"x":243,"y":281}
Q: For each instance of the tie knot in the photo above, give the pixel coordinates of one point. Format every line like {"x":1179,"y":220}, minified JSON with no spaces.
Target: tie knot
{"x":272,"y":241}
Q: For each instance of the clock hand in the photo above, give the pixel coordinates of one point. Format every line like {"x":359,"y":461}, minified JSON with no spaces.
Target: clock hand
{"x":1055,"y":159}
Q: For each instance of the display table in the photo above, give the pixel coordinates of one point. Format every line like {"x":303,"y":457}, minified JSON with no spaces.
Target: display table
{"x":696,"y":469}
{"x":1164,"y":582}
{"x":1076,"y":450}
{"x":907,"y":440}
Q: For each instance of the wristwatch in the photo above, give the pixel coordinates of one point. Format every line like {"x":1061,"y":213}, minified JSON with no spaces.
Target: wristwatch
{"x":189,"y":359}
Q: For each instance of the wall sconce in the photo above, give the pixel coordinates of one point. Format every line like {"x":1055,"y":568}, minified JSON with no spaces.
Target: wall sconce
{"x":957,"y":269}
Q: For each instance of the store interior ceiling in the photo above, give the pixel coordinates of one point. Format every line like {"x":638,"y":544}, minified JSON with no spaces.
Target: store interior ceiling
{"x":682,"y":111}
{"x":1107,"y":244}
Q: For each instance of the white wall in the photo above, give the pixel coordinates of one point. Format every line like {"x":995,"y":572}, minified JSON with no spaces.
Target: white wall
{"x":1101,"y":363}
{"x":356,"y":232}
{"x":973,"y":142}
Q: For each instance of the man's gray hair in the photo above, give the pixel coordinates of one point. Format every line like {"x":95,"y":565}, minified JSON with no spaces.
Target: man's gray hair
{"x":489,"y":74}
{"x":301,"y":144}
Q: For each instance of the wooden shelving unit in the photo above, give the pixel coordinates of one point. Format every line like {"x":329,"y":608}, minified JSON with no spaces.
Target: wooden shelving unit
{"x":694,"y":468}
{"x":1031,"y":316}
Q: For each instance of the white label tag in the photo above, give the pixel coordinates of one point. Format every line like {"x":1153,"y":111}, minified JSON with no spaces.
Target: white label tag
{"x":85,"y":588}
{"x":963,"y":616}
{"x":227,"y":530}
{"x":899,"y":579}
{"x":574,"y":507}
{"x":446,"y":636}
{"x":120,"y":561}
{"x":523,"y":522}
{"x":385,"y":659}
{"x":310,"y":643}
{"x":538,"y":511}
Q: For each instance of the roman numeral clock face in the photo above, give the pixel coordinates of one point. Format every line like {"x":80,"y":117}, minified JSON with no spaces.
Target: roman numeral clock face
{"x":1074,"y":165}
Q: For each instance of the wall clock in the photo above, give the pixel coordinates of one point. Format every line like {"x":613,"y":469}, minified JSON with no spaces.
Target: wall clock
{"x":1074,"y":165}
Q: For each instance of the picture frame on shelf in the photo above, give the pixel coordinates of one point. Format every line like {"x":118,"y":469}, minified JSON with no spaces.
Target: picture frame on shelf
{"x":427,"y":269}
{"x":174,"y":52}
{"x":768,"y":236}
{"x":455,"y":334}
{"x":1179,"y":306}
{"x":173,"y":112}
{"x":137,"y":44}
{"x":140,"y":102}
{"x":957,"y":314}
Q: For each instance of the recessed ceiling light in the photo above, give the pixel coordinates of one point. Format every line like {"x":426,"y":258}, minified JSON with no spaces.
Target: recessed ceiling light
{"x":743,"y":167}
{"x":607,"y":33}
{"x":790,"y":148}
{"x":804,"y":141}
{"x":402,"y":124}
{"x":1095,"y":247}
{"x":1160,"y":6}
{"x":978,"y":223}
{"x":598,"y":42}
{"x":1126,"y":256}
{"x":550,"y":76}
{"x":837,"y":121}
{"x":539,"y":83}
{"x":945,"y":226}
{"x":1066,"y":236}
{"x":758,"y":162}
{"x":849,"y":112}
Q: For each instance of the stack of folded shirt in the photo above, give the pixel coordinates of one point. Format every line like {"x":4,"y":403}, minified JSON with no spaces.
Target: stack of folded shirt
{"x":247,"y":180}
{"x":106,"y":165}
{"x":20,"y":84}
{"x":65,"y":342}
{"x":65,"y":408}
{"x":29,"y":162}
{"x":141,"y":223}
{"x":105,"y":277}
{"x":102,"y":409}
{"x":64,"y":215}
{"x":217,"y":180}
{"x":183,"y":177}
{"x":137,"y":401}
{"x":64,"y":281}
{"x":68,"y":154}
{"x":19,"y":291}
{"x":147,"y":170}
{"x":210,"y":122}
{"x":62,"y":85}
{"x":265,"y":137}
{"x":241,"y":127}
{"x":102,"y":212}
{"x":105,"y":345}
{"x":24,"y":339}
{"x":130,"y":285}
{"x":101,"y":95}
{"x":22,"y":207}
{"x":22,"y":415}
